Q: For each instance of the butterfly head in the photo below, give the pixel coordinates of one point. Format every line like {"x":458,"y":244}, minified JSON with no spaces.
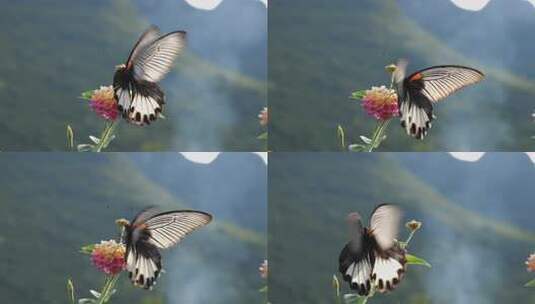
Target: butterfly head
{"x":400,"y":70}
{"x":120,"y":66}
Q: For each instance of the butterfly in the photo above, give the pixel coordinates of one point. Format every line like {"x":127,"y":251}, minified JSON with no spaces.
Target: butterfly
{"x":150,"y":231}
{"x":139,"y":98}
{"x":373,"y":257}
{"x":418,"y":92}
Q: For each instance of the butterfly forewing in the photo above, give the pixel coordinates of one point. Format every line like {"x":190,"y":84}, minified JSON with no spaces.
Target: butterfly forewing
{"x":156,"y":59}
{"x":384,"y":225}
{"x":167,"y":229}
{"x":150,"y":35}
{"x":441,"y":81}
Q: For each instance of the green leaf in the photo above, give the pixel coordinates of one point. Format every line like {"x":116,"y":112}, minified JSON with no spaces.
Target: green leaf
{"x":365,"y":139}
{"x":341,"y":136}
{"x":263,"y":136}
{"x":87,"y":95}
{"x":414,"y":260}
{"x":70,"y":290}
{"x":530,"y":284}
{"x":356,"y":148}
{"x":88,"y":249}
{"x":358,"y":95}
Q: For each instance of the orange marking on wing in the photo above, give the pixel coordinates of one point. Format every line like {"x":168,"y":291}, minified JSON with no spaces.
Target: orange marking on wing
{"x":416,"y":77}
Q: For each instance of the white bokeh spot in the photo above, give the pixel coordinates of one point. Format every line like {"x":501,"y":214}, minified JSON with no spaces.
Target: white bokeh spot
{"x":476,"y":156}
{"x":200,"y":157}
{"x":471,"y":5}
{"x":209,"y":5}
{"x":468,"y":156}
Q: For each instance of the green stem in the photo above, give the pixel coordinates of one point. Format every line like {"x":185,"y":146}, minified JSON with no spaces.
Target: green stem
{"x":378,"y":135}
{"x":105,"y":137}
{"x":107,"y":288}
{"x":409,"y":238}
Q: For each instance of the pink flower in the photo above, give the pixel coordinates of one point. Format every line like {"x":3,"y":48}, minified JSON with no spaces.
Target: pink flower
{"x":263,"y":269}
{"x":103,"y":102}
{"x":381,"y":103}
{"x":108,"y":257}
{"x":530,"y":263}
{"x":263,"y":116}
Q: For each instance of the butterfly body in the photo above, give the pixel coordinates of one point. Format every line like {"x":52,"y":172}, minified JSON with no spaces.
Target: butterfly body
{"x":150,"y":231}
{"x":418,"y":92}
{"x":139,"y":97}
{"x":372,"y":259}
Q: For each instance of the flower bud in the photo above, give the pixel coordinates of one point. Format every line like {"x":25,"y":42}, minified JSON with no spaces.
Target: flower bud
{"x":413,"y":225}
{"x":391,"y":68}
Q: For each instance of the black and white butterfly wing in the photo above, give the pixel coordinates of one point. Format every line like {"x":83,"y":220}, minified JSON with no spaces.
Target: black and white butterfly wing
{"x":384,"y":225}
{"x":388,"y":269}
{"x":138,"y":95}
{"x":149,"y":232}
{"x":149,"y":35}
{"x":143,"y":263}
{"x":418,"y":92}
{"x":440,"y":82}
{"x":355,"y":263}
{"x":168,"y":229}
{"x":156,"y":59}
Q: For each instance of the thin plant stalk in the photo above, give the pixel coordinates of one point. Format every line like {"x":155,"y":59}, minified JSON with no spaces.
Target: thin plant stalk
{"x":378,"y":135}
{"x":409,"y":238}
{"x":106,"y":136}
{"x":107,"y":289}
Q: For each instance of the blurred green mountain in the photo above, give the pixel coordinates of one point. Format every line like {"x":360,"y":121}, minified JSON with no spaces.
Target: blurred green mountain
{"x":320,"y":51}
{"x":53,"y":50}
{"x":477,"y":256}
{"x":55,"y":203}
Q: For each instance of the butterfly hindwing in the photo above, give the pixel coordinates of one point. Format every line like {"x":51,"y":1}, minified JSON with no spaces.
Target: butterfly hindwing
{"x":355,"y":265}
{"x":388,"y":269}
{"x":143,"y":263}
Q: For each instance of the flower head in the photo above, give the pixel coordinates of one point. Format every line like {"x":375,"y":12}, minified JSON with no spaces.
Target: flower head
{"x":263,"y":269}
{"x":413,"y":225}
{"x":381,"y":103}
{"x":263,"y":116}
{"x":391,"y":68}
{"x":530,"y":263}
{"x":103,"y":102}
{"x":108,"y":256}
